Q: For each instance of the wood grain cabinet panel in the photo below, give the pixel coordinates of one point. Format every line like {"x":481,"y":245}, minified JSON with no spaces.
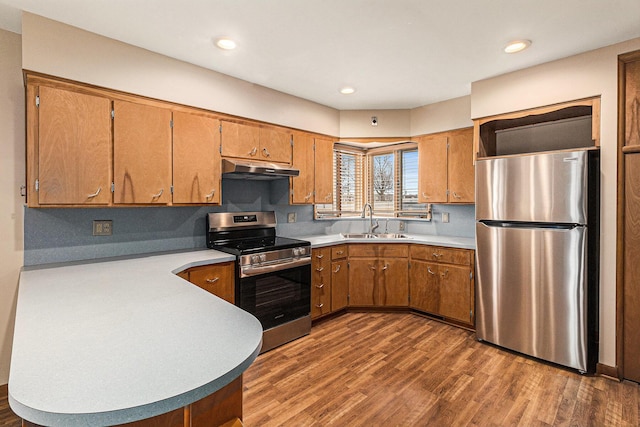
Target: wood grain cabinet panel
{"x":142,"y":154}
{"x":339,"y":284}
{"x":441,"y":282}
{"x":320,"y":282}
{"x":363,"y":277}
{"x":275,"y":145}
{"x":74,"y":148}
{"x":302,"y":186}
{"x":218,"y":279}
{"x":196,"y":159}
{"x":446,"y":170}
{"x":323,"y":170}
{"x":255,"y":143}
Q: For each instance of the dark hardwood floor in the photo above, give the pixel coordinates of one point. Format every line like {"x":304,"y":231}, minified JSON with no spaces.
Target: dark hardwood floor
{"x":400,"y":369}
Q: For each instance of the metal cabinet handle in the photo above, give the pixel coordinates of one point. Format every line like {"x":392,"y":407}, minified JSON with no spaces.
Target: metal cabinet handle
{"x":155,"y":196}
{"x":91,"y":196}
{"x":320,"y":256}
{"x":437,"y":255}
{"x":320,"y":305}
{"x":253,"y":151}
{"x":320,"y":286}
{"x":265,"y":152}
{"x":308,"y":196}
{"x":320,"y":269}
{"x":337,"y":268}
{"x":456,"y":195}
{"x":210,"y":195}
{"x":430,"y":271}
{"x":386,"y":266}
{"x":339,"y":252}
{"x":425,"y":195}
{"x":328,"y":196}
{"x":214,"y":280}
{"x":445,"y":274}
{"x":372,"y":267}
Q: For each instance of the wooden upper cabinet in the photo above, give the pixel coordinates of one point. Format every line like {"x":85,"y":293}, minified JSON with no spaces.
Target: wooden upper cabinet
{"x":446,"y":171}
{"x":239,"y":140}
{"x":302,"y":186}
{"x":460,"y":167}
{"x":432,"y":175}
{"x":323,"y":170}
{"x":255,"y":143}
{"x":275,"y":145}
{"x":73,"y":148}
{"x":196,"y":159}
{"x":142,"y":153}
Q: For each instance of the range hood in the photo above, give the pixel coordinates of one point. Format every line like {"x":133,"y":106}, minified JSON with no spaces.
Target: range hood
{"x":244,"y":169}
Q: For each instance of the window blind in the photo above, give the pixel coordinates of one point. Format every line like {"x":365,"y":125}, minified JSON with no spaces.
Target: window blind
{"x":348,"y":179}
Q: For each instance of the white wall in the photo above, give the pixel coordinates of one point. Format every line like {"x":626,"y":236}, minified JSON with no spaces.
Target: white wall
{"x":581,"y":76}
{"x":391,"y":123}
{"x":12,"y":170}
{"x":60,"y":50}
{"x":442,"y":116}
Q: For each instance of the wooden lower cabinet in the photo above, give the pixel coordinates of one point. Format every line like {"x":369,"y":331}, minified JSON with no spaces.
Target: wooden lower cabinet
{"x":320,"y":282}
{"x":378,"y":275}
{"x":441,"y":282}
{"x":218,"y":279}
{"x":329,"y":280}
{"x":217,"y":409}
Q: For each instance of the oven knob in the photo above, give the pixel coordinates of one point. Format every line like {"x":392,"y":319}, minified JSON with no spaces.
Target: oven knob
{"x":263,"y":257}
{"x":255,"y":259}
{"x":296,"y":252}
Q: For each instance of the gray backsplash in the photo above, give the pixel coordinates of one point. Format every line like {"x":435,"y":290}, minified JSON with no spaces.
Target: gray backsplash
{"x":61,"y":234}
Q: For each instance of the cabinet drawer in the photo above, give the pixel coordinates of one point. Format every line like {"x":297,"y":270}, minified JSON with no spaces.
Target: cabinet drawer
{"x":218,"y":279}
{"x":384,"y":250}
{"x":338,"y":252}
{"x":440,"y":254}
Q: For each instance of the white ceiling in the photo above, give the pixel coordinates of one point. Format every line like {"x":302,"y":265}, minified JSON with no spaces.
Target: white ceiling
{"x":397,"y":53}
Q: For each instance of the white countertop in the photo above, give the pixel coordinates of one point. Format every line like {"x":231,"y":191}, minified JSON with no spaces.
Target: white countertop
{"x":113,"y":342}
{"x":318,"y":241}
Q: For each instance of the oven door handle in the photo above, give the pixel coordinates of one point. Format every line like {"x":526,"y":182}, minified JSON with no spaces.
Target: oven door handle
{"x":248,"y":271}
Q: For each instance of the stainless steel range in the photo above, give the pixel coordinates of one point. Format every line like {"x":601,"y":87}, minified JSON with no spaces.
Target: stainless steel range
{"x":273,"y":274}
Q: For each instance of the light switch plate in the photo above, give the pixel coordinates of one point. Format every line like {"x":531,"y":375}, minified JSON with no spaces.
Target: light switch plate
{"x":102,"y":227}
{"x":291,"y":217}
{"x":445,"y":216}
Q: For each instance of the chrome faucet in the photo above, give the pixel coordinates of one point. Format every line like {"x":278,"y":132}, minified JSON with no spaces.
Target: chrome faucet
{"x":364,"y":211}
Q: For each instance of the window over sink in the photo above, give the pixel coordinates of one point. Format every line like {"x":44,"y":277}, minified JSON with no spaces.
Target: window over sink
{"x":384,"y":175}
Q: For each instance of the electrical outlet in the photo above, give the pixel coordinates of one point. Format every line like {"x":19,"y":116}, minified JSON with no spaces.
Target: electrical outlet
{"x":103,"y":227}
{"x":401,"y":226}
{"x":291,"y":217}
{"x":445,"y":216}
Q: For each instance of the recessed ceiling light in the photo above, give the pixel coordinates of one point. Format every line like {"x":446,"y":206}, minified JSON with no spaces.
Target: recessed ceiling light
{"x":517,"y":46}
{"x":347,"y":90}
{"x":225,"y":43}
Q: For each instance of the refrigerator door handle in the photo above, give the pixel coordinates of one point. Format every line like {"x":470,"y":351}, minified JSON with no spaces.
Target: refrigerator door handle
{"x":529,"y":225}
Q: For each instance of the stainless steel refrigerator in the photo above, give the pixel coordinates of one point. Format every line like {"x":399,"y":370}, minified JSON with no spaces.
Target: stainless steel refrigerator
{"x":537,"y":233}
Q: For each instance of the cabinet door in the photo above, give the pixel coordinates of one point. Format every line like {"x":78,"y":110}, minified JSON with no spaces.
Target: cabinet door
{"x":74,"y":148}
{"x":460,"y":167}
{"x":302,"y":186}
{"x":394,"y":283}
{"x":363,"y":275}
{"x":339,"y":285}
{"x":196,"y":159}
{"x":323,"y":171}
{"x":432,"y":169}
{"x":142,"y":153}
{"x":218,"y":279}
{"x":320,"y":282}
{"x":239,"y":140}
{"x":424,"y":286}
{"x":275,"y":145}
{"x":455,"y":293}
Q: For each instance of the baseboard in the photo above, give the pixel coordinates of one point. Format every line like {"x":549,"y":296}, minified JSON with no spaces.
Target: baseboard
{"x":611,"y":372}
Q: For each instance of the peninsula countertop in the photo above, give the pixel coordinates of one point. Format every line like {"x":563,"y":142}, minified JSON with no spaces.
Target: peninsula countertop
{"x":106,"y":343}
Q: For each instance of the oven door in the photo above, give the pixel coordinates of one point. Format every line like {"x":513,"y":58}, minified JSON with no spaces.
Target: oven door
{"x":276,"y":297}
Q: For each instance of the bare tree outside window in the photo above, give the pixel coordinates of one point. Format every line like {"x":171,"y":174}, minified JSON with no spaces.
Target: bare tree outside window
{"x":383,"y":182}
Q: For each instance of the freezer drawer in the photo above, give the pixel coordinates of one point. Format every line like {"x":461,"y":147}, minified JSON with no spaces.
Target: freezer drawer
{"x":532,"y":291}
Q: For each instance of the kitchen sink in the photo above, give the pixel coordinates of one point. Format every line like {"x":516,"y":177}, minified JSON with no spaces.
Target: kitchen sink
{"x":374,"y":236}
